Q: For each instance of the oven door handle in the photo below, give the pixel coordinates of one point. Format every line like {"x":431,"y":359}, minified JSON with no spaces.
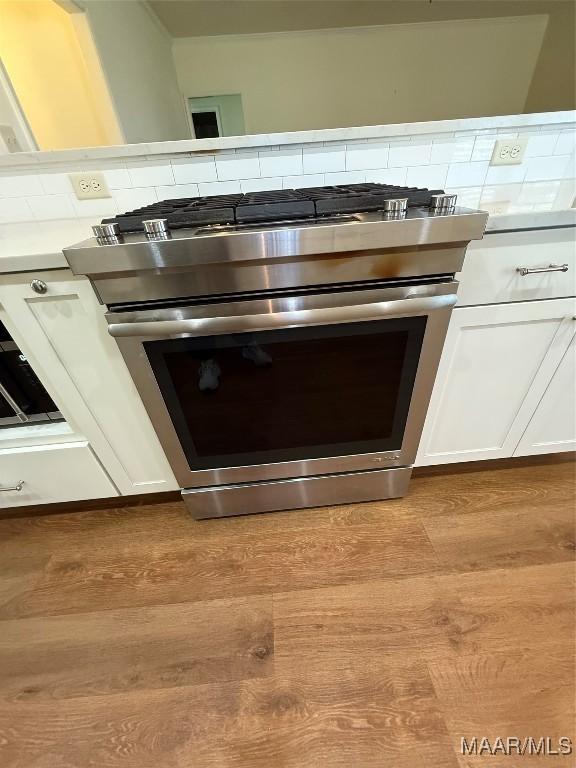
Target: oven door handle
{"x":209,"y":326}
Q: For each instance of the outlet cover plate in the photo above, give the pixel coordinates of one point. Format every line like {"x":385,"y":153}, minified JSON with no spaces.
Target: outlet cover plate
{"x":509,"y":151}
{"x":89,"y":186}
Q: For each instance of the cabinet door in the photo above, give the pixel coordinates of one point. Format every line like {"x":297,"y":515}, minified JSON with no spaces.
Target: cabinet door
{"x":552,"y":428}
{"x":496,"y":365}
{"x":64,"y":335}
{"x":47,"y":474}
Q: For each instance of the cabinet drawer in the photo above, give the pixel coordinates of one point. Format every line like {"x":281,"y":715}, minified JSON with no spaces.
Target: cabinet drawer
{"x":490,"y":273}
{"x":48,"y":474}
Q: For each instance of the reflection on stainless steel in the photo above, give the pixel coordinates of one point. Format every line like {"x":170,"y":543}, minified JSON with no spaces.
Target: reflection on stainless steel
{"x":107,"y":234}
{"x":156,"y":229}
{"x":221,"y":281}
{"x":297,"y":493}
{"x":443,"y":203}
{"x":186,"y":248}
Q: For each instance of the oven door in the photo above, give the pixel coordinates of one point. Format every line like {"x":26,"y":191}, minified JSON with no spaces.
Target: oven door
{"x":288,"y":386}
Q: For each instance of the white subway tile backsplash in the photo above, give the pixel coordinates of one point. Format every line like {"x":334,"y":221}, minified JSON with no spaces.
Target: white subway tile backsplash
{"x":466,"y":174}
{"x":345,"y":177}
{"x":566,"y":197}
{"x":20,"y":186}
{"x":194,"y":170}
{"x":46,"y":207}
{"x":130,"y":199}
{"x":288,"y":162}
{"x":210,"y":188}
{"x":546,"y":168}
{"x":14,"y":209}
{"x":541,"y":144}
{"x":55,"y":183}
{"x":505,"y":174}
{"x":323,"y":159}
{"x":411,"y":154}
{"x":261,"y":185}
{"x":118,"y":178}
{"x":566,"y":143}
{"x":457,"y":161}
{"x":468,"y":197}
{"x":388,"y":176}
{"x":539,"y":192}
{"x":364,"y":156}
{"x":235,"y":167}
{"x":431,"y":176}
{"x":176,"y":191}
{"x":300,"y":182}
{"x":483,"y":148}
{"x":98,"y":208}
{"x":452,"y":150}
{"x":151,"y":174}
{"x":501,"y":192}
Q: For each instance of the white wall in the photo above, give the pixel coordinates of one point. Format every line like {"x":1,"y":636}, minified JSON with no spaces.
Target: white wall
{"x":369,"y":75}
{"x":136,"y":56}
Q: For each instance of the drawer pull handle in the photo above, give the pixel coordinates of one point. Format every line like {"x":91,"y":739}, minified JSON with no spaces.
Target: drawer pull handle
{"x":535,"y":270}
{"x":18,"y":487}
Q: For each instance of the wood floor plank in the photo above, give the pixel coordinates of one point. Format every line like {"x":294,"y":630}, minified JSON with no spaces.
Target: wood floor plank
{"x":283,"y":722}
{"x":374,"y":619}
{"x":348,"y":637}
{"x":136,"y":649}
{"x":505,"y":537}
{"x":483,"y":490}
{"x":442,"y":616}
{"x":506,"y":609}
{"x":197,"y":565}
{"x":548,"y":713}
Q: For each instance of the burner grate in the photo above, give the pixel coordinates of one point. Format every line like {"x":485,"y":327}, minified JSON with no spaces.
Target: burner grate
{"x":273,"y":205}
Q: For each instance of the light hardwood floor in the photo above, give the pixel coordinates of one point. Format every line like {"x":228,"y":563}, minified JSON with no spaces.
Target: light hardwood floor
{"x":363,"y":636}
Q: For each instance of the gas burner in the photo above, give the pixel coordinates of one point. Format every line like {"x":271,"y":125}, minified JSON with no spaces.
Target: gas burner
{"x":273,"y":206}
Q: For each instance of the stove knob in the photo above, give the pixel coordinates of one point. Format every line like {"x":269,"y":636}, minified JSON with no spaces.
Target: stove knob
{"x":442,"y":203}
{"x":107,"y":233}
{"x":396,"y":208}
{"x":156,"y":228}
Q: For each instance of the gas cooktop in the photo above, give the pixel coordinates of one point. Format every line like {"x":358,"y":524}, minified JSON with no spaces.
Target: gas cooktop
{"x":278,"y":205}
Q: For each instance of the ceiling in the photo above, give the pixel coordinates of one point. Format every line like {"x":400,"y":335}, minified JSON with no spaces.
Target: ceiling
{"x":191,"y":18}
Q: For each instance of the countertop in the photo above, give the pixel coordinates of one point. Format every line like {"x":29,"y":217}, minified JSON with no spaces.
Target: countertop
{"x":522,"y":222}
{"x":37,"y":245}
{"x":32,"y":245}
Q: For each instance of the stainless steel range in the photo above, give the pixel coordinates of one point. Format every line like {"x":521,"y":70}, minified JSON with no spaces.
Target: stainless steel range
{"x":285,"y":344}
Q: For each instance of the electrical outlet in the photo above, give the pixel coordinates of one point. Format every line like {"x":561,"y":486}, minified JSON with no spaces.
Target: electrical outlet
{"x":509,"y":152}
{"x":9,"y":138}
{"x":88,"y":186}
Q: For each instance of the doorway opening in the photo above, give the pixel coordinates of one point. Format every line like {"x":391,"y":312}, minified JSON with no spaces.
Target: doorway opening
{"x":206,"y":123}
{"x":213,"y":116}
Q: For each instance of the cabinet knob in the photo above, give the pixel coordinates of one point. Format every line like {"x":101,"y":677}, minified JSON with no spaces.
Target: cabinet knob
{"x":39,"y":286}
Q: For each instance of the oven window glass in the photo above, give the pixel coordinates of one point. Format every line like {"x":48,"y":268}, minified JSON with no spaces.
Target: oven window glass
{"x":289,"y":394}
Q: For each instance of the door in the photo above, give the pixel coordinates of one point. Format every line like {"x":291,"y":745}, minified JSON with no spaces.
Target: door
{"x":224,"y":113}
{"x":288,"y":386}
{"x":552,"y":428}
{"x":64,"y":336}
{"x":496,"y":365}
{"x":207,"y":123}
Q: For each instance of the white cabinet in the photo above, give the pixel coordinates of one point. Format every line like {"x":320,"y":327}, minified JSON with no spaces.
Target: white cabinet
{"x":64,"y":334}
{"x":552,"y":428}
{"x":497,"y":365}
{"x":51,"y":473}
{"x":490,"y":274}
